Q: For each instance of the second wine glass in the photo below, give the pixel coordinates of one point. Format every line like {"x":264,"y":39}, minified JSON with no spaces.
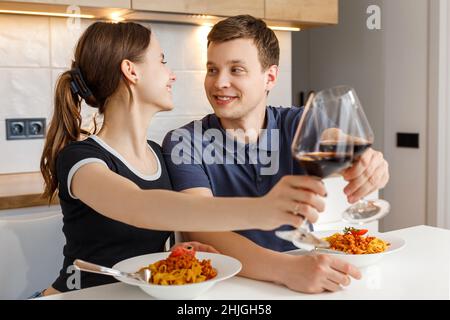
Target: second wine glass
{"x":322,"y":146}
{"x":322,"y":143}
{"x":364,"y":211}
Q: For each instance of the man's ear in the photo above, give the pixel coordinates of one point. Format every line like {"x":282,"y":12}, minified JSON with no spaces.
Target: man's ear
{"x":128,"y":69}
{"x":272,"y":76}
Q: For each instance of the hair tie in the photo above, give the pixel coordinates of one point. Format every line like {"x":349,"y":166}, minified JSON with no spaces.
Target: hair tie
{"x":78,"y":85}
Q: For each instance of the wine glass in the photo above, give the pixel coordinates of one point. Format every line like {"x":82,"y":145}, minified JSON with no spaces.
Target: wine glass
{"x":363,"y":211}
{"x":323,"y":145}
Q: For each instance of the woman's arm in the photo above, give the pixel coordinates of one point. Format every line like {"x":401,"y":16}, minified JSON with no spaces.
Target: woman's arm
{"x":120,"y":199}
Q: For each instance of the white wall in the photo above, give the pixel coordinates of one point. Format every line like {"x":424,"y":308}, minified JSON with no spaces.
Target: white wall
{"x":345,"y":54}
{"x":438,"y":188}
{"x":444,"y":216}
{"x":35,"y":50}
{"x":406,"y":93}
{"x":388,"y":69}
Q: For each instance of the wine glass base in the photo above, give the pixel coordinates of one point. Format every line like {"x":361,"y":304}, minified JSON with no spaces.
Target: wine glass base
{"x":375,"y":210}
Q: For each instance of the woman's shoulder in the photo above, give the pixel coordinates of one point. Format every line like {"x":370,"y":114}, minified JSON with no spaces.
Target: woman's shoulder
{"x":86,"y":146}
{"x":83,"y":150}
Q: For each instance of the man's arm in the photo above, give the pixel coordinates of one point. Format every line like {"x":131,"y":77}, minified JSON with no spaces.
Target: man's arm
{"x":310,"y":273}
{"x":250,"y":254}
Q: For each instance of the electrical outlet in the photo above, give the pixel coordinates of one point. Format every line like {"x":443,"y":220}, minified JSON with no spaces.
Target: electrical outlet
{"x":35,"y":128}
{"x":15,"y":129}
{"x":27,"y":128}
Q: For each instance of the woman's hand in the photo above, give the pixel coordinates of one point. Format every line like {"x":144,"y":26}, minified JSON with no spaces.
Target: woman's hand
{"x":291,"y":200}
{"x":196,"y":246}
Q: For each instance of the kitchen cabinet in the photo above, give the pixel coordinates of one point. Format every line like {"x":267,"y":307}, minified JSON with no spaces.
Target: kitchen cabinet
{"x":285,"y":13}
{"x":101,"y":9}
{"x":207,"y":7}
{"x":298,"y":13}
{"x":22,"y":190}
{"x":85,"y":3}
{"x":303,"y":12}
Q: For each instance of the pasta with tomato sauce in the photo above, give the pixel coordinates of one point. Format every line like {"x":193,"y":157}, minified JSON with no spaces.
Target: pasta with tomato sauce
{"x":352,"y":241}
{"x":181,"y":267}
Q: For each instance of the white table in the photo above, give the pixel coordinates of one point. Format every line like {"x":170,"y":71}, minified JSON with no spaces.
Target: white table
{"x":420,"y":271}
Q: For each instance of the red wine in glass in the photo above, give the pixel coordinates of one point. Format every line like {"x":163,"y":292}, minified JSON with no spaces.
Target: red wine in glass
{"x":358,"y":147}
{"x":323,"y":163}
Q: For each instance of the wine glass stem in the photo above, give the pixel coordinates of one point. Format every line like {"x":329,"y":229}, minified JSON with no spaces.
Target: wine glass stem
{"x":361,"y":205}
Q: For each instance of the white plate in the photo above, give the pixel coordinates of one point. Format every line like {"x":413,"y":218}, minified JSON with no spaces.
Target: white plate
{"x":226,"y":267}
{"x":361,"y":260}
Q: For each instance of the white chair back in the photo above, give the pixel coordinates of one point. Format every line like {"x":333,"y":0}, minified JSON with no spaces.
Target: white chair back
{"x":31,"y":250}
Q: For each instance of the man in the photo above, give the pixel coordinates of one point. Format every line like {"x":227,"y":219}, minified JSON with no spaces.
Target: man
{"x":243,"y":149}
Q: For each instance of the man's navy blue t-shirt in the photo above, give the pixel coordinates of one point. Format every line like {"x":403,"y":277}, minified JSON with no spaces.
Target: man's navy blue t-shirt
{"x":198,"y":155}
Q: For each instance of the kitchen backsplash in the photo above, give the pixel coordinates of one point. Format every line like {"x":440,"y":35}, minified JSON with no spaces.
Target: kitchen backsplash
{"x":35,"y":50}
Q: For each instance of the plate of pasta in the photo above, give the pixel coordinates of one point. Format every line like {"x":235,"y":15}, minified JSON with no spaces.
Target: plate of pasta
{"x":181,"y":274}
{"x":358,"y":246}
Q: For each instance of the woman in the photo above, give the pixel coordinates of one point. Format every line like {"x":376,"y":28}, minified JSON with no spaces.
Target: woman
{"x":113,"y":186}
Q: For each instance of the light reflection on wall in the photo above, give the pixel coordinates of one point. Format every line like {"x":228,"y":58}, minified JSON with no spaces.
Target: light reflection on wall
{"x":201,"y":36}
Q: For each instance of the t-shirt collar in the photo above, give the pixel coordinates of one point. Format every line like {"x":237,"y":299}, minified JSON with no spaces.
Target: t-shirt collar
{"x":264,"y":141}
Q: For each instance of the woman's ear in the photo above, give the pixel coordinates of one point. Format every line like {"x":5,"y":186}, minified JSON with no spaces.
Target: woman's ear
{"x":128,"y":69}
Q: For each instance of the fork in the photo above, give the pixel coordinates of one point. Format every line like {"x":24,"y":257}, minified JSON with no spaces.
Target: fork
{"x":302,"y":238}
{"x":141,"y":275}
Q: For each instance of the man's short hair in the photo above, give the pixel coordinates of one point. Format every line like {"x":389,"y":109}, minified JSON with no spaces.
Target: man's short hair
{"x":248,"y":27}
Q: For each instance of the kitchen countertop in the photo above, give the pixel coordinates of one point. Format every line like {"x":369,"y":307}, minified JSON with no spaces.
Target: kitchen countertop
{"x":421,"y":270}
{"x":20,"y":190}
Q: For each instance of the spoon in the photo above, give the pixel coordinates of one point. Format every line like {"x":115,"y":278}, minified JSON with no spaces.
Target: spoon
{"x":142,"y":275}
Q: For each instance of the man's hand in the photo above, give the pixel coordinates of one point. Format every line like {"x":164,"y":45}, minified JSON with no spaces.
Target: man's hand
{"x":369,"y":173}
{"x":316,"y":273}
